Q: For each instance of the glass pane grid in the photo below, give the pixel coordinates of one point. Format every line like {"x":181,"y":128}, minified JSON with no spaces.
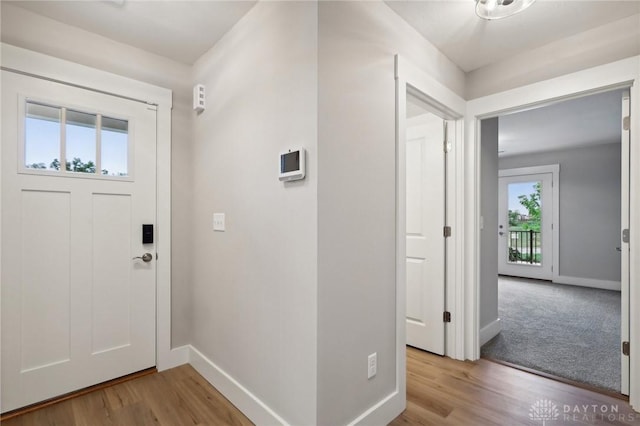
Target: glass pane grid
{"x":90,"y":143}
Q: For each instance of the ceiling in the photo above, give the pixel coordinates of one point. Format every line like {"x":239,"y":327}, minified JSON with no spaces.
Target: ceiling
{"x":471,"y":42}
{"x":178,"y":29}
{"x":183,"y":30}
{"x":585,"y":121}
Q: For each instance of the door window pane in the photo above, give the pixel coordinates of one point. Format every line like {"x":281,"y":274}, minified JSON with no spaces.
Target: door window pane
{"x":115,"y":147}
{"x":42,"y":136}
{"x":525,"y":221}
{"x":81,"y":142}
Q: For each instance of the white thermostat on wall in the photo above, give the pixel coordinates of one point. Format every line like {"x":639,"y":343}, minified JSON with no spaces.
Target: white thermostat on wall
{"x":292,"y":164}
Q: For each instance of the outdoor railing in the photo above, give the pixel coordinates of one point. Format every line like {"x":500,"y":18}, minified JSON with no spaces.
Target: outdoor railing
{"x":524,"y":247}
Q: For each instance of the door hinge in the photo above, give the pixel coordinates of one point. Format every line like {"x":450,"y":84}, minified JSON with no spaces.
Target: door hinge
{"x":625,"y":235}
{"x":446,"y":145}
{"x":625,"y":348}
{"x":626,"y":123}
{"x":447,"y":231}
{"x":446,"y":316}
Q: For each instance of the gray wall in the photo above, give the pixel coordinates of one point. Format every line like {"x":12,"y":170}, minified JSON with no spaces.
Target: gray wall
{"x":489,"y":213}
{"x":356,"y":198}
{"x":254,"y":287}
{"x":589,"y":208}
{"x":34,"y":32}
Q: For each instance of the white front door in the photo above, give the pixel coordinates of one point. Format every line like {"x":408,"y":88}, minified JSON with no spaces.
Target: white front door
{"x":426,"y":210}
{"x":525,"y":242}
{"x":78,"y":183}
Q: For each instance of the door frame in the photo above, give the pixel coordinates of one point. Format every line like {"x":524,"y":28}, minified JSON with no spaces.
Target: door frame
{"x":616,"y":75}
{"x":554,"y":170}
{"x":47,"y":67}
{"x":446,"y":101}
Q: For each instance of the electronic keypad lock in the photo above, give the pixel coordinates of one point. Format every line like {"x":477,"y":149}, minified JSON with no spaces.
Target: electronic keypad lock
{"x":147,"y":234}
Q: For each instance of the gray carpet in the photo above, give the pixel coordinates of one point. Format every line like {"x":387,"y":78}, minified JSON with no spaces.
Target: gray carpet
{"x":568,"y":331}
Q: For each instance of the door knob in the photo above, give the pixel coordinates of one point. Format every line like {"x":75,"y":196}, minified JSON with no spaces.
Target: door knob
{"x":145,"y":257}
{"x":500,"y":233}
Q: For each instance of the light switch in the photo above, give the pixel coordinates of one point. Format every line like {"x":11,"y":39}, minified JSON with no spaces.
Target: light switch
{"x":218,"y":221}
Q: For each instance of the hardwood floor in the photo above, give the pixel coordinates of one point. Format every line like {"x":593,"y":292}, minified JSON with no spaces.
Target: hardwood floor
{"x":175,"y":397}
{"x":440,"y":391}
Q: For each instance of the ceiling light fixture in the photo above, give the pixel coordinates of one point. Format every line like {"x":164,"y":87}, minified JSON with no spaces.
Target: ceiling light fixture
{"x":497,"y":9}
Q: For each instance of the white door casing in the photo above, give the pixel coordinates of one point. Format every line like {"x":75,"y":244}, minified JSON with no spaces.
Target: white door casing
{"x":548,"y":205}
{"x":624,"y":246}
{"x":76,"y":308}
{"x":425,"y":220}
{"x":615,"y":75}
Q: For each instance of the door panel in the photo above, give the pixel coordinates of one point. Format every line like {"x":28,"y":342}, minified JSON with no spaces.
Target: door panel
{"x":425,"y":242}
{"x":76,"y":308}
{"x":45,"y":292}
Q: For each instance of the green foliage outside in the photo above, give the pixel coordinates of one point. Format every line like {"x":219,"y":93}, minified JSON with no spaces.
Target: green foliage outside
{"x":75,"y":165}
{"x":530,"y":202}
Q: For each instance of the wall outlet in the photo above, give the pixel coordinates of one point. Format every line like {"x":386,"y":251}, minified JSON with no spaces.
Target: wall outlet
{"x":372,"y":365}
{"x":218,"y":222}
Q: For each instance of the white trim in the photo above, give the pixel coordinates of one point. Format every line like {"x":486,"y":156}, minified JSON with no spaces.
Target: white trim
{"x":616,"y":74}
{"x":382,"y":413}
{"x":176,"y":357}
{"x":554,"y":169}
{"x":535,"y":170}
{"x":453,"y":107}
{"x":587,"y":282}
{"x":249,"y":404}
{"x":51,"y":68}
{"x":490,"y":331}
{"x":408,"y":76}
{"x":624,"y":248}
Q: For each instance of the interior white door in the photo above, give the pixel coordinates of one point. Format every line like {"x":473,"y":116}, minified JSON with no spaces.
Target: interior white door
{"x":425,"y":169}
{"x":77,"y":309}
{"x":525,"y":243}
{"x":624,"y":244}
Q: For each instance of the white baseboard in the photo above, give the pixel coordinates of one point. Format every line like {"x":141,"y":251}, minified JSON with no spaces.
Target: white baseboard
{"x":174,"y":358}
{"x":383,"y":412}
{"x":250,"y":405}
{"x":259,"y":413}
{"x":587,"y":282}
{"x":490,"y":331}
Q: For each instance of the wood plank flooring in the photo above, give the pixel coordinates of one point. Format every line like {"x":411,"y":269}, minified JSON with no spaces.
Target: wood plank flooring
{"x":440,"y":391}
{"x":175,"y":397}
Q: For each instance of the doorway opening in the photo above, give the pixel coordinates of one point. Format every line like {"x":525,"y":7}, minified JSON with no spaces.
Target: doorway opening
{"x":554,"y":286}
{"x":427,"y":141}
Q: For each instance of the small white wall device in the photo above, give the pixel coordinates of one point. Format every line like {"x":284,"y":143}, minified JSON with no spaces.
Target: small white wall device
{"x":198,"y":97}
{"x":292,"y":164}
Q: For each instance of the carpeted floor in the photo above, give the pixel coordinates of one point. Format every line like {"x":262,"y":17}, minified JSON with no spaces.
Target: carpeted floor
{"x":568,"y":331}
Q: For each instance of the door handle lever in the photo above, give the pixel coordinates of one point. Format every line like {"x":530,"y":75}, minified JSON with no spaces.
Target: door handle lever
{"x":145,"y":257}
